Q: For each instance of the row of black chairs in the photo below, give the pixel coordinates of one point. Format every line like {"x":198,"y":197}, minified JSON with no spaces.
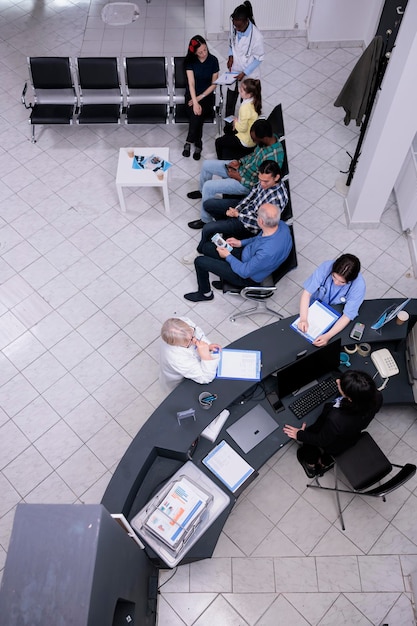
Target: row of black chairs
{"x":100,"y":90}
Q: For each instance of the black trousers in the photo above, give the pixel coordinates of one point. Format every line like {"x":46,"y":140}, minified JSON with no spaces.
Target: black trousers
{"x":195,"y":128}
{"x":229,"y":147}
{"x":211,"y":262}
{"x":231,"y":99}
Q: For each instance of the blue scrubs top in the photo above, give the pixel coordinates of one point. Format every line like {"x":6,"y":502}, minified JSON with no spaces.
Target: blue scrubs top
{"x":321,"y":286}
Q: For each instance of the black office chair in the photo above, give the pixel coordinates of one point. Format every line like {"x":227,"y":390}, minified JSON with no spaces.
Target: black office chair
{"x":53,"y":92}
{"x":100,"y":90}
{"x":147,"y":90}
{"x":260,"y":293}
{"x":364,"y":465}
{"x":179,"y":106}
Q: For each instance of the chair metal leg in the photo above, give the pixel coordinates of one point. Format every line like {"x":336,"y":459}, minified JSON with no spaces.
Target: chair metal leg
{"x":33,"y":139}
{"x":335,"y":488}
{"x":260,"y":307}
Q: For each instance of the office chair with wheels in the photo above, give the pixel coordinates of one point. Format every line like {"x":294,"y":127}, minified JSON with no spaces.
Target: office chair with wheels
{"x":364,"y":465}
{"x":100,"y":90}
{"x":147,"y":90}
{"x":54,"y":95}
{"x":260,"y":293}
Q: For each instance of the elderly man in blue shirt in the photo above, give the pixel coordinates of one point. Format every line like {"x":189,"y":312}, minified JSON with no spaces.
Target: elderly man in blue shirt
{"x":250,"y":261}
{"x":241,"y":221}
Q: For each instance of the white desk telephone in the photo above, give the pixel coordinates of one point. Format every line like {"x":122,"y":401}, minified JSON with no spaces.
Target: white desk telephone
{"x":385,"y":364}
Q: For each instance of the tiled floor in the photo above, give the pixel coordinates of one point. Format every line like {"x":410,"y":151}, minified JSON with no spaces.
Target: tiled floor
{"x":83,"y":293}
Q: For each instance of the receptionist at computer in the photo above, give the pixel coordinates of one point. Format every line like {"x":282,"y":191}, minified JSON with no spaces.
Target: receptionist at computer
{"x":334,"y":282}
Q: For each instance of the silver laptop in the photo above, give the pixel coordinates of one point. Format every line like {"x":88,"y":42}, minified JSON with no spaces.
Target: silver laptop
{"x":252,"y":428}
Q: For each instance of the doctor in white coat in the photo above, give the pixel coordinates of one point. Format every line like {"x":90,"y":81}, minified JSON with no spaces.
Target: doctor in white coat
{"x":246,"y":50}
{"x":185,"y":352}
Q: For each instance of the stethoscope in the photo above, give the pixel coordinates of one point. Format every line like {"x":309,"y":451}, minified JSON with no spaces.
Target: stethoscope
{"x":323,"y":289}
{"x":247,"y":55}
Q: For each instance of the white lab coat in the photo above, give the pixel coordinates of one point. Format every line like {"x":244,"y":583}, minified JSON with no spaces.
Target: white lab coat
{"x":247,"y":50}
{"x":177,"y":363}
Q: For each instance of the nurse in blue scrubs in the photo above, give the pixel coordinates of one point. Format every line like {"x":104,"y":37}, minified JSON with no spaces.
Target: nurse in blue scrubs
{"x":334,"y":282}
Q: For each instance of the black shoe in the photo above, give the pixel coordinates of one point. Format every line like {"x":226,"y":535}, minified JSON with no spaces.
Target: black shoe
{"x":196,"y":296}
{"x":218,"y":284}
{"x":187,"y":150}
{"x":197,"y":154}
{"x":194,"y":195}
{"x":196,"y":224}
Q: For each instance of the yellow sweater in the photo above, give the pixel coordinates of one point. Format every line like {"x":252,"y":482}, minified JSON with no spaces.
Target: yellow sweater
{"x":246,"y":117}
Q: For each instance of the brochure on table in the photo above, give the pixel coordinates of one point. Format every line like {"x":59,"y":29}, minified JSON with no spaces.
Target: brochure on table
{"x":175,"y":513}
{"x":239,"y":364}
{"x":320,"y":318}
{"x":219,"y":501}
{"x":152,"y":162}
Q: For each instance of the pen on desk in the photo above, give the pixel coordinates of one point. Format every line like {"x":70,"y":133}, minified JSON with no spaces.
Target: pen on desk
{"x":209,"y":398}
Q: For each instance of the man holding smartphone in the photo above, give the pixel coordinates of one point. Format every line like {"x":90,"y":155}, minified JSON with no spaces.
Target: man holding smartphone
{"x":241,"y":221}
{"x":237,"y":177}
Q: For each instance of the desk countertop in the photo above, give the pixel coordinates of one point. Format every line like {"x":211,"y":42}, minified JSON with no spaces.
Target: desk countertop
{"x":162,"y":437}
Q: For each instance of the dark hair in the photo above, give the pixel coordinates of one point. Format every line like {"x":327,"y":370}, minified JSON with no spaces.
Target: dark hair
{"x":253,"y":88}
{"x":243,"y":12}
{"x":261,"y":129}
{"x":348,"y":266}
{"x":361,"y":390}
{"x":270,"y":167}
{"x":193,"y":46}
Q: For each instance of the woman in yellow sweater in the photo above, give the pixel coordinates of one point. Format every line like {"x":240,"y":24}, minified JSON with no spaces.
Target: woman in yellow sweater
{"x":238,"y":142}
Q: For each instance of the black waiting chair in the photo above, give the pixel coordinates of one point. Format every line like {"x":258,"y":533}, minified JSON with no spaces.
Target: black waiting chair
{"x":259,"y":294}
{"x":54,"y":95}
{"x":179,"y":84}
{"x":148,"y":98}
{"x":364,"y":465}
{"x":277,"y":122}
{"x":100,"y":90}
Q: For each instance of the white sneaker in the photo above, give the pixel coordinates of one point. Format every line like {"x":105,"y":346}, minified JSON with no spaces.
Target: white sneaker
{"x":188,"y":259}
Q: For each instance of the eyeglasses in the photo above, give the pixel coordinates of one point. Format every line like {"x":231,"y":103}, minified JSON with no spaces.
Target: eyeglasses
{"x":191,"y":340}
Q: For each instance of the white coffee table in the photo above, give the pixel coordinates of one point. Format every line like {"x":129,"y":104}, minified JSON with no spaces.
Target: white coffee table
{"x":127,"y":176}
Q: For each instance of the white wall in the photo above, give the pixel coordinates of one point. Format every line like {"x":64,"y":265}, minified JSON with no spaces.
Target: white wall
{"x":343,"y":20}
{"x":391,"y":131}
{"x":330,"y":20}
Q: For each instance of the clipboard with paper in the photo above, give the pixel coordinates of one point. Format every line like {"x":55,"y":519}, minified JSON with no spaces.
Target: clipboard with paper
{"x":320,"y":318}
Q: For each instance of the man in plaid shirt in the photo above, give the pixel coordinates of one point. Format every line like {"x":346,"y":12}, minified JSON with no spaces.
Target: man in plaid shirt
{"x":237,"y":177}
{"x":241,"y":220}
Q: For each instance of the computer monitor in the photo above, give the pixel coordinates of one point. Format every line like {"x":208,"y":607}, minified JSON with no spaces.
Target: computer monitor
{"x":308,"y":368}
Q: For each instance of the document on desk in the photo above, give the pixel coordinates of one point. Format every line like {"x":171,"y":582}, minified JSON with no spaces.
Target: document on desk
{"x":320,"y":318}
{"x":239,"y":364}
{"x":228,"y":466}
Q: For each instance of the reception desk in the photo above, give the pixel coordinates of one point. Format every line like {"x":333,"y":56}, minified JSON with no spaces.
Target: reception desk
{"x":114,"y":581}
{"x":163,"y":445}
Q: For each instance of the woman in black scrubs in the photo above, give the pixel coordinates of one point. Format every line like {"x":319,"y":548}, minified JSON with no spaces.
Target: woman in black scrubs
{"x":339,"y":425}
{"x":201,"y":69}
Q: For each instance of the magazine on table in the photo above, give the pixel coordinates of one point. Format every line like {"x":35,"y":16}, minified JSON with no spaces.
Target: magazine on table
{"x":152,"y":162}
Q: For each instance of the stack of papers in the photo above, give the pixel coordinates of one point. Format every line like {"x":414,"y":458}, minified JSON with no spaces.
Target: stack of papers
{"x":320,"y":318}
{"x":239,"y":364}
{"x":228,"y":78}
{"x":228,"y":466}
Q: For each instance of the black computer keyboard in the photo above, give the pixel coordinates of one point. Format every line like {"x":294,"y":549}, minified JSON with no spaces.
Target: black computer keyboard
{"x":314,"y":397}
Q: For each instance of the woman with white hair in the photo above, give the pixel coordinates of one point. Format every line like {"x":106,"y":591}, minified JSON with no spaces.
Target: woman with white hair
{"x":185,"y":352}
